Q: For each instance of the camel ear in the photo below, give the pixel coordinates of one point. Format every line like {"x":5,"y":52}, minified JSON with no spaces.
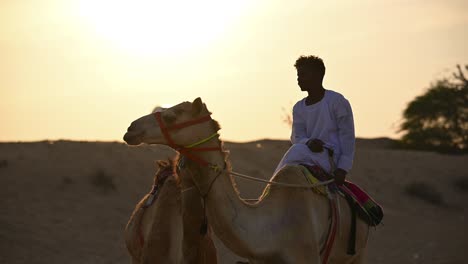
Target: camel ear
{"x":197,"y":106}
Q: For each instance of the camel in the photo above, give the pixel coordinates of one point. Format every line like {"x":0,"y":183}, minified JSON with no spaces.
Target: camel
{"x":287,"y":225}
{"x":167,"y":230}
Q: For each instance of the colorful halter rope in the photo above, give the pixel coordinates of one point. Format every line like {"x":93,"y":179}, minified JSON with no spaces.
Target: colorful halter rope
{"x":186,"y":150}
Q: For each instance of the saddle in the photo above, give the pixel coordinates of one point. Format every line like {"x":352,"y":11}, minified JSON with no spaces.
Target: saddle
{"x":360,"y":203}
{"x":367,"y":208}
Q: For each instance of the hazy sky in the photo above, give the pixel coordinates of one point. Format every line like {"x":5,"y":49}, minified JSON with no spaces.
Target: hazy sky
{"x":83,"y":70}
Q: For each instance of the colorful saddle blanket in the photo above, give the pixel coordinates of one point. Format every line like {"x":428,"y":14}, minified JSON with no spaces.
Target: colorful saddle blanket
{"x":374,"y":212}
{"x":369,"y":210}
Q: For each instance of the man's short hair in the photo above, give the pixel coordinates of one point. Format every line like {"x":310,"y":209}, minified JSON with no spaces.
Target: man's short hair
{"x":311,"y":62}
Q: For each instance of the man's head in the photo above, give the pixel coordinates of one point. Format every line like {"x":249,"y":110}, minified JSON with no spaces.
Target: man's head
{"x":310,"y":72}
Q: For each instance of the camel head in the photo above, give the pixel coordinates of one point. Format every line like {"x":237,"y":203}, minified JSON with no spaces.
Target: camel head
{"x":176,"y":122}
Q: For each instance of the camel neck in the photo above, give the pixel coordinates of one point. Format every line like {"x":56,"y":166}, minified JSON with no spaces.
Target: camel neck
{"x":212,"y":158}
{"x":193,"y":212}
{"x":227,"y":213}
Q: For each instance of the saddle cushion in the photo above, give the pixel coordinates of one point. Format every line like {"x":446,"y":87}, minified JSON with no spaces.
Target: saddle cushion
{"x":314,"y":175}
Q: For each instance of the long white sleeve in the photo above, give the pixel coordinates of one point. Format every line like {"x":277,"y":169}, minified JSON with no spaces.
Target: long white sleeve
{"x":346,"y":137}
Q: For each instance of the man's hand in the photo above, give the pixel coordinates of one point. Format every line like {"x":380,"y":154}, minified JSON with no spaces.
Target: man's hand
{"x":340,"y":176}
{"x":315,"y":145}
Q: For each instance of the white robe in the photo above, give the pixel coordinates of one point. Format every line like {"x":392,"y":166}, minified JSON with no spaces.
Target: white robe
{"x":330,"y":120}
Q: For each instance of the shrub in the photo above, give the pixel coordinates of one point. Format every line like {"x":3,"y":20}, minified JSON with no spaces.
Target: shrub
{"x":103,"y":181}
{"x":425,"y":192}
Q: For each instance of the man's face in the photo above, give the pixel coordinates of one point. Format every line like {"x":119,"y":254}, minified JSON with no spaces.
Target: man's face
{"x":307,"y":79}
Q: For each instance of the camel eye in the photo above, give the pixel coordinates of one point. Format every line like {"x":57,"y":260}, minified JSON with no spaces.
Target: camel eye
{"x":168,"y":119}
{"x":178,"y":111}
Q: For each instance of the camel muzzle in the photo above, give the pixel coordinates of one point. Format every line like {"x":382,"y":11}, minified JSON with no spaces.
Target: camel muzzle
{"x":132,"y":138}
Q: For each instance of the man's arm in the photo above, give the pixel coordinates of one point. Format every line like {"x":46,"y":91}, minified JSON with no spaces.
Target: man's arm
{"x":346,"y":137}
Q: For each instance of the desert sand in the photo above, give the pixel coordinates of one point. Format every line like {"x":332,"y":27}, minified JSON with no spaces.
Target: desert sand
{"x":69,"y":201}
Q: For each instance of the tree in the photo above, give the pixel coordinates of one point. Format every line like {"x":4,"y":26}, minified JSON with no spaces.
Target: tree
{"x":438,"y":119}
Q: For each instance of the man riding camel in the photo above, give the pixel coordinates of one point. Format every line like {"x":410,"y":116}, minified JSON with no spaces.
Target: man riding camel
{"x":321,"y":121}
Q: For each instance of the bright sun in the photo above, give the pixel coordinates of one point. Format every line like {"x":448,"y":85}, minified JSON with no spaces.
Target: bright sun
{"x":156,"y":27}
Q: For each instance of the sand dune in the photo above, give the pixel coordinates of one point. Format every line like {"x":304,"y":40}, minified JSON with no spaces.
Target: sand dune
{"x":68,"y":202}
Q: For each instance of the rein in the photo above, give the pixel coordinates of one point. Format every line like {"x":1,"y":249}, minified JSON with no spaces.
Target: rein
{"x":305,"y":186}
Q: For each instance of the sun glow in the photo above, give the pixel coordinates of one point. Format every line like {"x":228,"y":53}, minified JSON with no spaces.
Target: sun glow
{"x":145,"y":27}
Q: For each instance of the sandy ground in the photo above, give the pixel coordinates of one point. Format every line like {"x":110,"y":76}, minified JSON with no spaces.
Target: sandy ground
{"x":68,"y":202}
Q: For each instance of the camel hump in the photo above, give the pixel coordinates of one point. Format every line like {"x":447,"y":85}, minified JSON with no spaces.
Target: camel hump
{"x":299,"y":174}
{"x":294,"y":174}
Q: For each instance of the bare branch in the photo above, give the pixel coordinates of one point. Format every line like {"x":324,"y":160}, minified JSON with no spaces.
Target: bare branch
{"x":460,"y":76}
